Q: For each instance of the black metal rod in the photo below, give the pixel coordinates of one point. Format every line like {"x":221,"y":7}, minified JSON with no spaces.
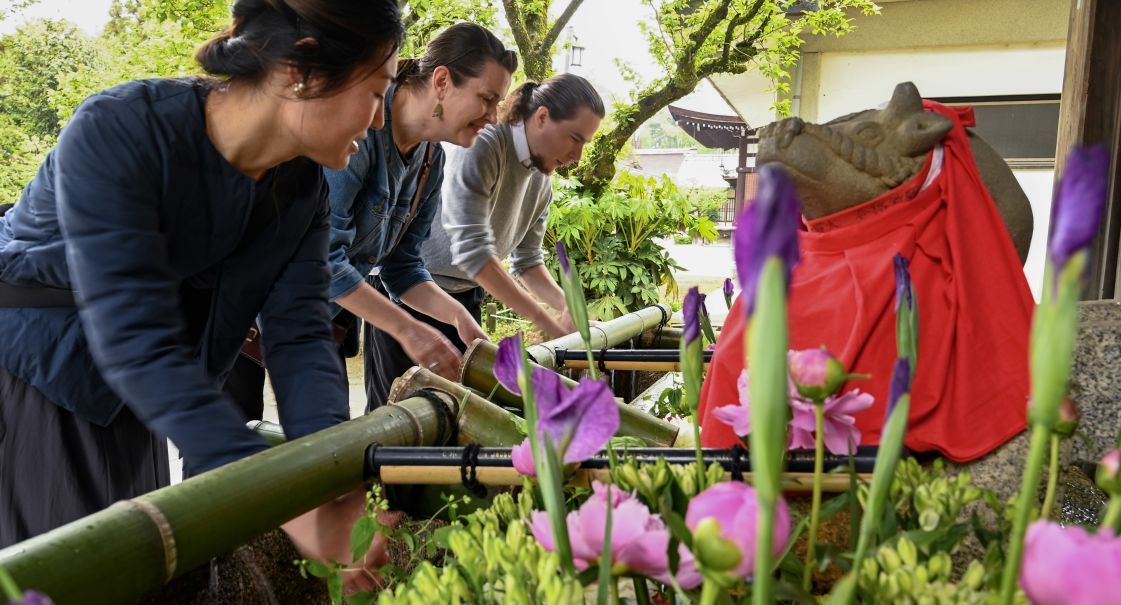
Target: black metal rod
{"x":798,"y":461}
{"x":606,"y":355}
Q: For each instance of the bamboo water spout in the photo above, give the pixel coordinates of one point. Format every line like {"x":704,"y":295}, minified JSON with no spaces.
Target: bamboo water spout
{"x":478,"y":374}
{"x":135,"y":546}
{"x":479,"y":420}
{"x":604,"y":335}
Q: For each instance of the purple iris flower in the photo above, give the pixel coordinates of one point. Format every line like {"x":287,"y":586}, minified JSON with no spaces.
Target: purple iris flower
{"x":35,"y":598}
{"x":767,"y":227}
{"x":508,"y":363}
{"x":1078,"y":205}
{"x":579,"y":420}
{"x":903,"y":289}
{"x":729,"y":287}
{"x":690,"y":310}
{"x":562,"y":256}
{"x":900,"y":384}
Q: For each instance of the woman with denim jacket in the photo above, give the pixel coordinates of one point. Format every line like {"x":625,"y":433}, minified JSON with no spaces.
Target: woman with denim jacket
{"x":170,"y":214}
{"x":378,"y":218}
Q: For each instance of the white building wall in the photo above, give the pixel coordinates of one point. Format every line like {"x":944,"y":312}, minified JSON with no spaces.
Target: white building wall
{"x":849,"y":80}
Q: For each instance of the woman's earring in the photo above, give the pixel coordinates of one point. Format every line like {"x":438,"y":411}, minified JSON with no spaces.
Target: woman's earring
{"x":438,"y":112}
{"x":299,"y":88}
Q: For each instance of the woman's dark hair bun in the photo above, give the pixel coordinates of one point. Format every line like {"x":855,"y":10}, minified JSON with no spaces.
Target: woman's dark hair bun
{"x":328,"y":40}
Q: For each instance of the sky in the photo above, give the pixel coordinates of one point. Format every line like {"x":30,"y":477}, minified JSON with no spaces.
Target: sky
{"x":607,"y":29}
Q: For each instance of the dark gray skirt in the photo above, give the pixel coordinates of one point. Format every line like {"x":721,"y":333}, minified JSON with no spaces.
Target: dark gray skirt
{"x":56,"y":467}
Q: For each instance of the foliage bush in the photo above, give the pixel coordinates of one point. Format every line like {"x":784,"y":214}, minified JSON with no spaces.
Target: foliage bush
{"x":614,"y":239}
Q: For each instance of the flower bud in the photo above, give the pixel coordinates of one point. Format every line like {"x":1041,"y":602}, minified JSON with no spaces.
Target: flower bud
{"x":1107,"y":478}
{"x":816,"y":373}
{"x":712,"y":551}
{"x":1068,"y":418}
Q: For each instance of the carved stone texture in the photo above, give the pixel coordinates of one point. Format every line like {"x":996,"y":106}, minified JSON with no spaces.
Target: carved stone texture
{"x":860,"y":156}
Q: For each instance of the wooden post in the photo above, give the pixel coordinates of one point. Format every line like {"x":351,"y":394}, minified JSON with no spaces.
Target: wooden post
{"x":492,"y":317}
{"x":1091,"y":114}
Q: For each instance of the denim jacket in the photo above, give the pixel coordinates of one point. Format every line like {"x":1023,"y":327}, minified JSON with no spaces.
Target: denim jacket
{"x":370,"y":203}
{"x":138,"y":213}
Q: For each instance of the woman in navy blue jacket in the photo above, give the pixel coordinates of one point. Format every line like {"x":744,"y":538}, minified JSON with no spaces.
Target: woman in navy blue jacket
{"x":379,"y":217}
{"x":170,"y":214}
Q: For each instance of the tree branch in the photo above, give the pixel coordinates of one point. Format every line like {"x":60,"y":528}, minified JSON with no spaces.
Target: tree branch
{"x":735,"y":22}
{"x":698,"y":38}
{"x":558,"y":25}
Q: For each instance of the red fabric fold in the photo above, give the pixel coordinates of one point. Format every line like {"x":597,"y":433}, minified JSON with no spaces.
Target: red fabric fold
{"x":970,"y":389}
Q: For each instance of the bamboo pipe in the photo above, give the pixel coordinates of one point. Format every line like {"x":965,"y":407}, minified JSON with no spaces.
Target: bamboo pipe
{"x":565,"y":357}
{"x":604,"y":335}
{"x":133,"y":547}
{"x":663,"y":338}
{"x":645,"y":400}
{"x":479,"y":420}
{"x":478,"y":374}
{"x":493,"y":466}
{"x":489,"y":476}
{"x":642,"y":360}
{"x":633,"y":366}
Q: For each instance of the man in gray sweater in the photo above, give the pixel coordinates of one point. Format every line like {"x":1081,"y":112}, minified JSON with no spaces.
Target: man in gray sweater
{"x":495,"y":199}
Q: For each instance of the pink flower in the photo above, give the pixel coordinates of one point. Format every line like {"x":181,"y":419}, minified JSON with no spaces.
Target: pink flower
{"x":1068,"y":566}
{"x":734,"y":507}
{"x":639,"y":539}
{"x":738,"y":416}
{"x":522,"y":455}
{"x":840,"y":427}
{"x":815,"y":372}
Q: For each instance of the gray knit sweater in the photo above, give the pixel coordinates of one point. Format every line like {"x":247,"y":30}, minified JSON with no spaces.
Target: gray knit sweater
{"x":492,"y":206}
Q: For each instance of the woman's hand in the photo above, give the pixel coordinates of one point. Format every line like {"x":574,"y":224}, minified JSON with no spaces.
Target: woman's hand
{"x":323,"y":534}
{"x":429,"y":349}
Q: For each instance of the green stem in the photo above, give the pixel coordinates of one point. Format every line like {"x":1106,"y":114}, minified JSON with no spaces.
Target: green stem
{"x":641,"y":592}
{"x":1052,"y":479}
{"x":591,"y":360}
{"x":854,"y":502}
{"x":548,"y":472}
{"x":606,"y":582}
{"x":762,"y":588}
{"x":1037,"y":452}
{"x":815,"y":507}
{"x":1112,"y":518}
{"x":710,"y":592}
{"x":8,"y":584}
{"x":553,"y":493}
{"x":697,"y":447}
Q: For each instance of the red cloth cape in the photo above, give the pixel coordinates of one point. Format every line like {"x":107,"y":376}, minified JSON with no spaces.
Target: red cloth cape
{"x":970,"y":389}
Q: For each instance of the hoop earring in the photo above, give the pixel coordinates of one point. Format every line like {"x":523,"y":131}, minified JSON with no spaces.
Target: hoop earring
{"x":299,"y":89}
{"x":438,"y":112}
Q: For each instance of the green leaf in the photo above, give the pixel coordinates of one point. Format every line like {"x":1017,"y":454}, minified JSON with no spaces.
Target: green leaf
{"x":316,"y":568}
{"x":361,"y":536}
{"x":335,"y":588}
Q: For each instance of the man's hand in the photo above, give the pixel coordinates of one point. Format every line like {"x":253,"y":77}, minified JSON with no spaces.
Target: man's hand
{"x":469,"y":330}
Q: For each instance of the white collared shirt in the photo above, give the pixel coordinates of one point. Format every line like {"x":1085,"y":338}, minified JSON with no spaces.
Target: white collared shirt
{"x":521,"y":144}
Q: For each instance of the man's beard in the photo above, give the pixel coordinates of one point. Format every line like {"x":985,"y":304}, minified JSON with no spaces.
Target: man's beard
{"x":538,"y":163}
